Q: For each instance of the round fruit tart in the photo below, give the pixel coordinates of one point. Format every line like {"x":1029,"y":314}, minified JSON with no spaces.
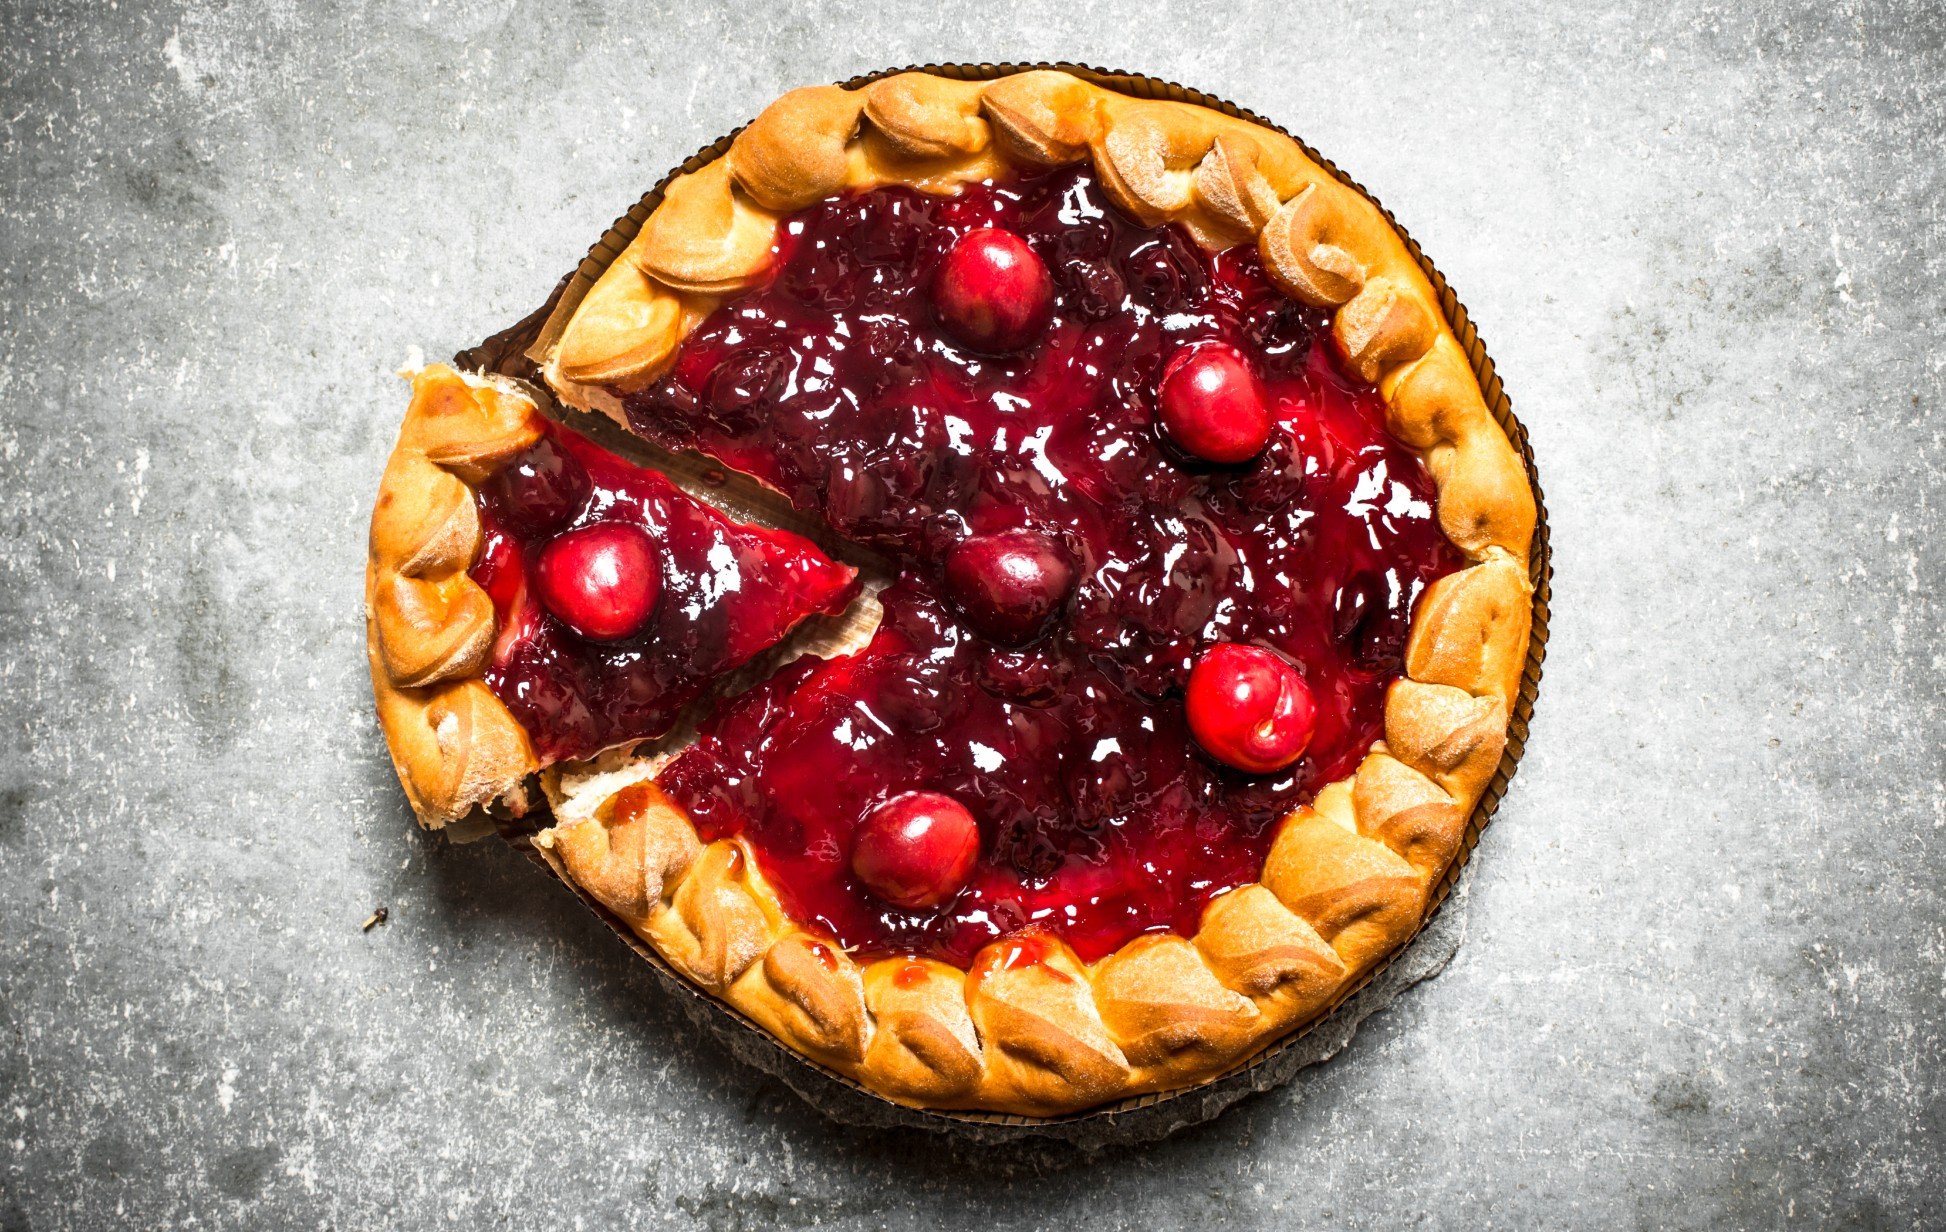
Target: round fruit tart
{"x":1191,"y":602}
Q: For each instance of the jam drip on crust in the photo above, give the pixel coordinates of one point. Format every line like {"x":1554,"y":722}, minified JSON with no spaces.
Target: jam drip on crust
{"x":620,"y":598}
{"x":1064,"y":562}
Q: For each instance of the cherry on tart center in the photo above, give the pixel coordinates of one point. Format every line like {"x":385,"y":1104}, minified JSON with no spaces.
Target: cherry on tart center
{"x":602,"y":581}
{"x":1009,"y":585}
{"x":992,"y":292}
{"x":1249,"y":708}
{"x":916,"y":850}
{"x":1212,"y":407}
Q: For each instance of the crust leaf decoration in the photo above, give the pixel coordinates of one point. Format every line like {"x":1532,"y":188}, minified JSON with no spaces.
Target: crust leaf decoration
{"x":715,"y":926}
{"x":1382,"y":327}
{"x":1147,"y":160}
{"x":1304,"y":250}
{"x":1361,"y":896}
{"x":1446,"y":734}
{"x":1047,"y":1046}
{"x":1408,"y":812}
{"x":1165,"y":1007}
{"x":809,"y":992}
{"x":430,"y":621}
{"x":1043,"y":118}
{"x":1459,"y":633}
{"x":706,"y":237}
{"x":921,"y":116}
{"x":1233,"y":188}
{"x":793,"y":154}
{"x":630,"y":853}
{"x":1257,"y":946}
{"x":925,"y":1049}
{"x":625,"y":332}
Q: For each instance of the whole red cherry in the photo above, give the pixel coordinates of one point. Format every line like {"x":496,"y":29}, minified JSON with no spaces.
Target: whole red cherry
{"x":916,"y":850}
{"x":602,"y":581}
{"x":1212,"y":406}
{"x":992,"y":292}
{"x":1249,"y":708}
{"x":1010,"y":584}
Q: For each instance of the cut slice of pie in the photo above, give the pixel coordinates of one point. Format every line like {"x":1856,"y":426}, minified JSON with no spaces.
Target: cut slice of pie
{"x":534,"y":598}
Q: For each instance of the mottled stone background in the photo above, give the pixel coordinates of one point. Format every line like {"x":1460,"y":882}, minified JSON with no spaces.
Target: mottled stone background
{"x":1702,"y":985}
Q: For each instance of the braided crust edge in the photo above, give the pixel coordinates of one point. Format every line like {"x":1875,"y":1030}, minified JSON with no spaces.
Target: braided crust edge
{"x":1030,"y":1029}
{"x":428,"y":626}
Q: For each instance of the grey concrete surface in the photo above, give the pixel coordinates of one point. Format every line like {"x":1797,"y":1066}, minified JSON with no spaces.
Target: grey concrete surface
{"x":1703,"y":982}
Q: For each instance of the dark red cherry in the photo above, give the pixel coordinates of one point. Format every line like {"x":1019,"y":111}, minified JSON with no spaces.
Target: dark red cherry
{"x":742,"y":388}
{"x":1249,"y":708}
{"x":916,"y":850}
{"x":992,"y":292}
{"x":1009,"y":585}
{"x":1212,"y":406}
{"x":601,"y":581}
{"x":540,"y":489}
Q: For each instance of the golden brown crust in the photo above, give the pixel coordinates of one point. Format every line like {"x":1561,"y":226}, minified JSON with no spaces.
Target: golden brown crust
{"x":808,"y":990}
{"x":921,"y":116}
{"x":1259,"y":947}
{"x":794,"y":153}
{"x":429,"y":628}
{"x":1408,"y":812}
{"x":630,"y":853}
{"x":925,"y":1049}
{"x":1470,"y":630}
{"x":624,"y":333}
{"x":1031,"y":1029}
{"x":1361,"y":896}
{"x":1147,"y":155}
{"x":1047,"y":1047}
{"x":1232,"y":185}
{"x":1043,"y":118}
{"x":720,"y":919}
{"x":1449,"y":735}
{"x":1308,"y":246}
{"x":1166,"y":1009}
{"x":706,"y":237}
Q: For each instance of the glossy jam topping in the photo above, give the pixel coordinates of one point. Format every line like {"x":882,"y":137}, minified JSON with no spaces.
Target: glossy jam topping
{"x":726,"y":592}
{"x":1037,"y":675}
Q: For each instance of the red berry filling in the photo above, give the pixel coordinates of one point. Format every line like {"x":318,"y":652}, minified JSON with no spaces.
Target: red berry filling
{"x":620,"y":597}
{"x":1066,"y":551}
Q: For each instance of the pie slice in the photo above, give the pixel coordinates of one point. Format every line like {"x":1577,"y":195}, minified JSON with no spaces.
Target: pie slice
{"x":533,"y":598}
{"x":1206,"y":589}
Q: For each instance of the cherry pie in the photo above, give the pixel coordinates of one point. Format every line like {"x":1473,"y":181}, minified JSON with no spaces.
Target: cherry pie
{"x":1201,"y":589}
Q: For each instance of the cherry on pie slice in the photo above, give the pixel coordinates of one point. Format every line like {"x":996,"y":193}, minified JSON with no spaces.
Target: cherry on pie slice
{"x":534,"y":598}
{"x":1206,"y":590}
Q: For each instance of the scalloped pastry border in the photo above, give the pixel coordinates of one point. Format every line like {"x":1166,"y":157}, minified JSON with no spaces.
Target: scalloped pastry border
{"x":1030,"y":1029}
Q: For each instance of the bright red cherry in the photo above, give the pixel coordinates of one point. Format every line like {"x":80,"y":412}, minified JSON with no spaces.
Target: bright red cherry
{"x":1212,"y":406}
{"x":916,"y":850}
{"x":1249,"y":708}
{"x":992,"y":292}
{"x":1009,"y":585}
{"x":602,"y":581}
